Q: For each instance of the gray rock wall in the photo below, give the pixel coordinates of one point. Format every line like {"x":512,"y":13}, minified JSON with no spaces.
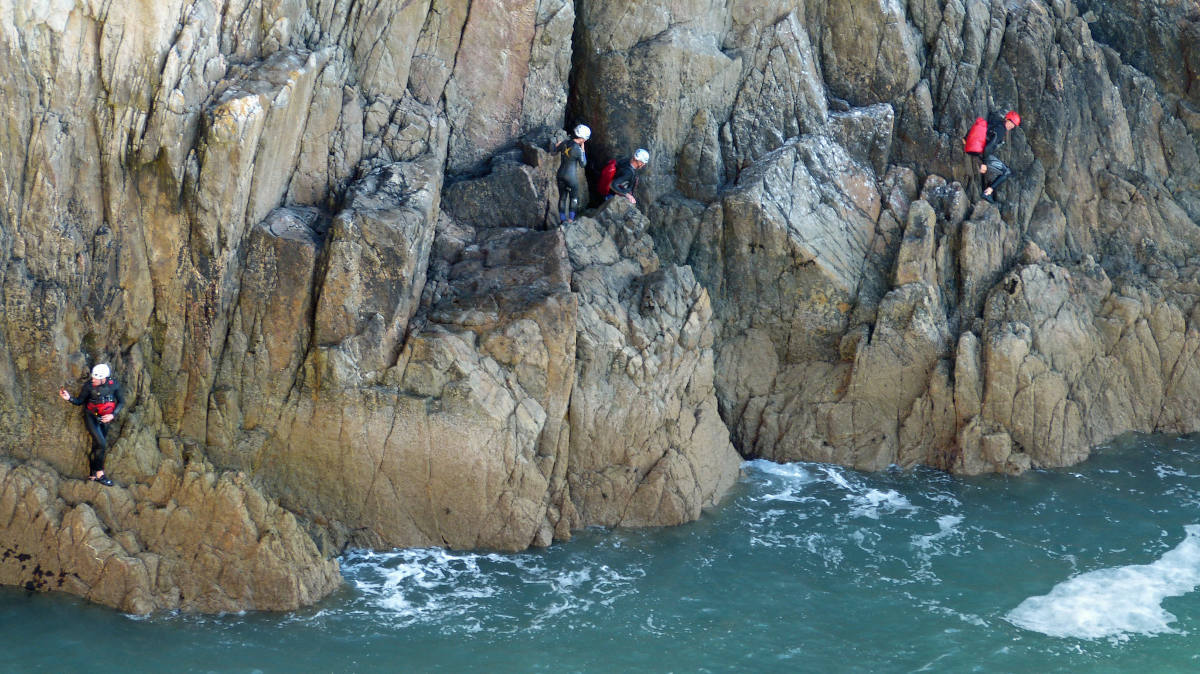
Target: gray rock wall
{"x":312,"y":239}
{"x":842,"y":291}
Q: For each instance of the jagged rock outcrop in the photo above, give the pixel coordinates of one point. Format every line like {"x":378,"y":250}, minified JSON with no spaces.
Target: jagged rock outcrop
{"x":479,"y":431}
{"x":312,"y":238}
{"x":647,"y":444}
{"x":848,"y":303}
{"x":188,"y":538}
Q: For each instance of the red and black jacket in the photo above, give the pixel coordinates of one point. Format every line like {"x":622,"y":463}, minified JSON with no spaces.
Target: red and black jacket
{"x":985,"y":136}
{"x":626,"y":179}
{"x":100,"y":400}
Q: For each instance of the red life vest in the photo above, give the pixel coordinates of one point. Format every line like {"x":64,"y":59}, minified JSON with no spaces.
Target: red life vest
{"x":976,"y":138}
{"x":604,"y":185}
{"x":101,"y":400}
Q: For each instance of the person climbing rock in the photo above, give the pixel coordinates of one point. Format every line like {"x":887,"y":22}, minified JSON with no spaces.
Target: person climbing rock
{"x":983,"y":140}
{"x":625,"y":180}
{"x":574,"y":158}
{"x":997,"y":130}
{"x":102,"y":399}
{"x":986,"y":135}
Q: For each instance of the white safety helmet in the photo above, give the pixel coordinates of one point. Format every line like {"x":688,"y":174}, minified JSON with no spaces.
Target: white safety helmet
{"x":582,"y":131}
{"x":642,"y":156}
{"x":100,"y":371}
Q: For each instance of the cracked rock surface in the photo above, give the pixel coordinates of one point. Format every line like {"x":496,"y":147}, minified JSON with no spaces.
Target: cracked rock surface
{"x":318,"y":242}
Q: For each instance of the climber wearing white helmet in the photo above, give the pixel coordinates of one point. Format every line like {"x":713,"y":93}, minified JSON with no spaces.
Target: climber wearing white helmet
{"x":570,"y":170}
{"x":102,"y":399}
{"x":625,"y":181}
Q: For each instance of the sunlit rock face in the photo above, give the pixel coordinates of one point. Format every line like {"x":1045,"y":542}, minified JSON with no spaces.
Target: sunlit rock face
{"x":319,"y":244}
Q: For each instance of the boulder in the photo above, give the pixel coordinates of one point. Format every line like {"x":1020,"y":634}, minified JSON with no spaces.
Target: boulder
{"x":188,"y":538}
{"x":512,"y":194}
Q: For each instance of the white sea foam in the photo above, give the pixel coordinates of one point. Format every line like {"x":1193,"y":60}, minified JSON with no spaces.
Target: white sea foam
{"x":791,"y":489}
{"x":866,"y":501}
{"x":1117,"y":602}
{"x":788,"y":470}
{"x":875,"y":502}
{"x":471,"y":592}
{"x":947,"y":526}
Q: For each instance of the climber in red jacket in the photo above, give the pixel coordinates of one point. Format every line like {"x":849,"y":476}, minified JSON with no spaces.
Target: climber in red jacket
{"x":982,"y":140}
{"x":986,"y":135}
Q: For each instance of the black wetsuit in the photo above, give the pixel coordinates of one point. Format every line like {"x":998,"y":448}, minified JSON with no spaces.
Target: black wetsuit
{"x":998,"y":171}
{"x":626,"y":178}
{"x":569,"y":171}
{"x":96,"y":399}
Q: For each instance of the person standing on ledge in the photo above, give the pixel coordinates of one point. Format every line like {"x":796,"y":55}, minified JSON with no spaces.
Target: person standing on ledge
{"x":626,"y":179}
{"x":574,"y":158}
{"x":102,"y":399}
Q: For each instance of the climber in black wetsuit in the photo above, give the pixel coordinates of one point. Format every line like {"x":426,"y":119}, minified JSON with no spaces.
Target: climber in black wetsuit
{"x":102,"y":399}
{"x":570,"y":170}
{"x":994,"y":171}
{"x":626,"y":179}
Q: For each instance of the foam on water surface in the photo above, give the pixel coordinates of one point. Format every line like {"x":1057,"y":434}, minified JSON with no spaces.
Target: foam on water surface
{"x":470,"y":591}
{"x":1116,"y":602}
{"x":786,"y":470}
{"x":947,"y":527}
{"x":808,"y":567}
{"x":865,"y":500}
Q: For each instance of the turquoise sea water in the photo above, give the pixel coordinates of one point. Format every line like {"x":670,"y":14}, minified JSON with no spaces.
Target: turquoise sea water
{"x":803,"y":568}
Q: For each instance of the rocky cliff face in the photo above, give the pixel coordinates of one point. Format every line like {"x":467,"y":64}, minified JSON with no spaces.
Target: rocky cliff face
{"x":314,"y":238}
